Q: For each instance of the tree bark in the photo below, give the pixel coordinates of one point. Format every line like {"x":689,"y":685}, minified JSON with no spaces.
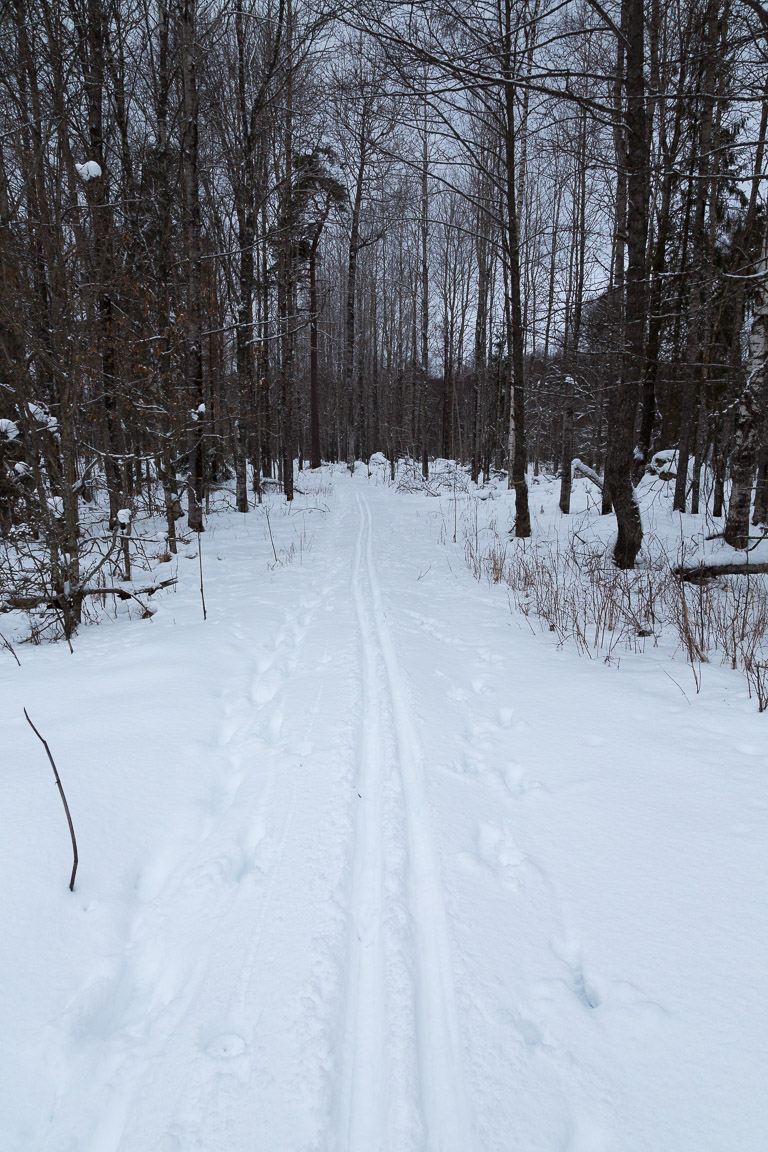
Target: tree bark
{"x":191,"y":177}
{"x":517,"y":464}
{"x":620,"y":460}
{"x":746,"y":433}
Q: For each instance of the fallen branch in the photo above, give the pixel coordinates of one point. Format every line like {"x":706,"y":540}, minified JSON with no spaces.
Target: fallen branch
{"x":63,"y":799}
{"x":711,"y":571}
{"x":25,"y":603}
{"x":125,"y":593}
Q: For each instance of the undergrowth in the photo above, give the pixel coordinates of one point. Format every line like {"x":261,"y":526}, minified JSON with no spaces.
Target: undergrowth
{"x":571,"y":588}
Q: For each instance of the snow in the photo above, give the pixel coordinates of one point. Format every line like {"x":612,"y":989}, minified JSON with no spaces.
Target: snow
{"x":9,"y":430}
{"x":369,"y":862}
{"x":124,"y":516}
{"x":578,"y":466}
{"x":90,"y":170}
{"x":43,"y":418}
{"x":664,"y":463}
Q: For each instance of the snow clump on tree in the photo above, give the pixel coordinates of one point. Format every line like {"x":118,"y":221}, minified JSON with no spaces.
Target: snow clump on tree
{"x":89,"y":171}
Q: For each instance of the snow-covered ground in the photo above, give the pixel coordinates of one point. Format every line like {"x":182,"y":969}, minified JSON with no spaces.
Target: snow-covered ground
{"x":370,"y":864}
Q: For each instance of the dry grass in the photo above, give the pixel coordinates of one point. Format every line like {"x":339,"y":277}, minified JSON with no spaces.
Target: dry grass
{"x":574,"y":591}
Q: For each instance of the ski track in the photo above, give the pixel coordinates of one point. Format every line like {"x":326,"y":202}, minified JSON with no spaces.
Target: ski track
{"x":362,"y":1103}
{"x":442,"y":1099}
{"x":375,"y":910}
{"x":195,"y":984}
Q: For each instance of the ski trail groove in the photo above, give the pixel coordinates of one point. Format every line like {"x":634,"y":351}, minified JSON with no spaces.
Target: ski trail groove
{"x":442,"y":1092}
{"x":362,"y":1103}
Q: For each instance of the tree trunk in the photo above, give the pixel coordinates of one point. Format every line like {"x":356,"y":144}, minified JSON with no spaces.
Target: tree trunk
{"x":760,"y":515}
{"x":618,"y":468}
{"x":191,"y":176}
{"x":517,"y":351}
{"x":566,"y":456}
{"x":746,"y":433}
{"x":314,"y":411}
{"x":424,"y":238}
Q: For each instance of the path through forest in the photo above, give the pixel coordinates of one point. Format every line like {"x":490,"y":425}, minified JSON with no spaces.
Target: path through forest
{"x":370,"y":866}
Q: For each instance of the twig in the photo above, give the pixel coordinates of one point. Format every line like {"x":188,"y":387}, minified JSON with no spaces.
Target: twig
{"x":674,"y":682}
{"x":7,"y":644}
{"x":271,"y":537}
{"x":200,"y":562}
{"x":63,"y":799}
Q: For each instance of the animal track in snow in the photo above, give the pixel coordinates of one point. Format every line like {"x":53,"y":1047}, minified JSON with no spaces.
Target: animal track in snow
{"x":496,"y":852}
{"x":226,"y":1046}
{"x":266,"y":688}
{"x":582,"y":987}
{"x":432,"y":628}
{"x":489,"y":657}
{"x":456,"y":694}
{"x":168,"y":1143}
{"x":497,"y":848}
{"x":518,"y":783}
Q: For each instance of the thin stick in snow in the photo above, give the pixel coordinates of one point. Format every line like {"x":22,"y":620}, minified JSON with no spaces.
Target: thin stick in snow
{"x":200,"y":561}
{"x":63,"y":799}
{"x":7,"y":644}
{"x":271,"y":537}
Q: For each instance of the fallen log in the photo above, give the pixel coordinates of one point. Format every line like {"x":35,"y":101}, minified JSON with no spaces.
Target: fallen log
{"x":26,"y":603}
{"x":710,"y":571}
{"x":125,"y":593}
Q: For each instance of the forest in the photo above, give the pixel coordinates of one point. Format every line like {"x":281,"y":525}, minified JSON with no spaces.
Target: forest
{"x":241,"y":237}
{"x":383,"y":575}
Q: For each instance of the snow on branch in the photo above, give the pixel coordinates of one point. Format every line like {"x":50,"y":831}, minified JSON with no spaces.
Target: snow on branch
{"x":579,"y":468}
{"x":89,"y":171}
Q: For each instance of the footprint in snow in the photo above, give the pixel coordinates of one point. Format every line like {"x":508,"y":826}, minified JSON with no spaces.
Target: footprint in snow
{"x":215,"y":872}
{"x":458,"y":695}
{"x":585,"y":990}
{"x":168,"y":1143}
{"x":226,"y":1046}
{"x":594,"y":741}
{"x":470,"y":765}
{"x":517,"y":782}
{"x":274,"y":728}
{"x":489,"y":657}
{"x":481,"y":737}
{"x":750,"y":749}
{"x":266,"y":688}
{"x":589,"y":1135}
{"x":496,"y":852}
